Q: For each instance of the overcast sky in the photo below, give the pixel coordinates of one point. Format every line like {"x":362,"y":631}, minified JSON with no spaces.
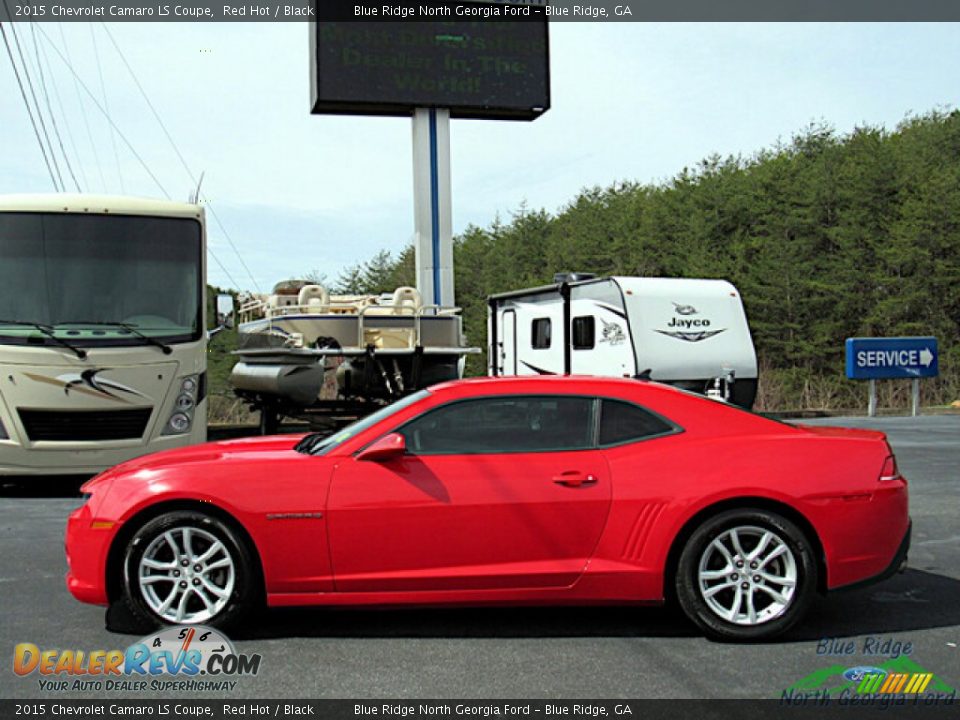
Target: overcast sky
{"x":298,"y":192}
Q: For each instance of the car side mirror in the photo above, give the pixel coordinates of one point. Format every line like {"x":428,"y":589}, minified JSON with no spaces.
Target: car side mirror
{"x":387,"y":448}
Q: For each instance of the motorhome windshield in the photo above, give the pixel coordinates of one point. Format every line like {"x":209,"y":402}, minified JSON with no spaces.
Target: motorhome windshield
{"x":99,"y":280}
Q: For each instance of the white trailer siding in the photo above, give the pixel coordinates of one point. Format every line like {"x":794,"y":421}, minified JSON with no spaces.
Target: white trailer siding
{"x":688,"y":329}
{"x":529,"y":336}
{"x":684,"y":332}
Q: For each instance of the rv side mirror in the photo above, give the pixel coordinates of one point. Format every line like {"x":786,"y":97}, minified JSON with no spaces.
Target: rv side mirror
{"x":389,"y":447}
{"x":226,"y":309}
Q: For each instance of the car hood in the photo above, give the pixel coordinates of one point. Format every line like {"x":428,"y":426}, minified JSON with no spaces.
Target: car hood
{"x":217,"y":454}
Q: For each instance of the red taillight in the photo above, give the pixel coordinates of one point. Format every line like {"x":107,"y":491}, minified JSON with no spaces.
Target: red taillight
{"x":889,"y":470}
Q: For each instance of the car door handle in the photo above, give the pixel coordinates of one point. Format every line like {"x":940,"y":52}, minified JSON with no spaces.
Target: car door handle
{"x":574,"y":479}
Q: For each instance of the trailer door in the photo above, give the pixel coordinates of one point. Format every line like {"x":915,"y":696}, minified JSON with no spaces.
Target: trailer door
{"x":508,"y":343}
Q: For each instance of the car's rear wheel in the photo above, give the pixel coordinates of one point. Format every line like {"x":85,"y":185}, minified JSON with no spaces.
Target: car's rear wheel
{"x":746,"y":575}
{"x":189,"y":568}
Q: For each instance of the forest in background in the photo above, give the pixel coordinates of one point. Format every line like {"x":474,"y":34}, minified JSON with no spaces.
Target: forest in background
{"x":827,"y":236}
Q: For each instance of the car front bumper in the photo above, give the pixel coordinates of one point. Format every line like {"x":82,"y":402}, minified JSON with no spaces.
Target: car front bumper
{"x":87,"y":543}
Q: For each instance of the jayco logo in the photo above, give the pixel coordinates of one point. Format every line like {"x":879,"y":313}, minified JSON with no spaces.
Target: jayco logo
{"x":687,"y":323}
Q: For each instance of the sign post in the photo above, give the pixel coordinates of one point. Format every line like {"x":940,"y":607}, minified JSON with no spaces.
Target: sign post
{"x":892,"y":358}
{"x":433,"y":226}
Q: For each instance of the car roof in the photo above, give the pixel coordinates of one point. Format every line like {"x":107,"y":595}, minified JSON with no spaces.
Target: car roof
{"x":547,"y":383}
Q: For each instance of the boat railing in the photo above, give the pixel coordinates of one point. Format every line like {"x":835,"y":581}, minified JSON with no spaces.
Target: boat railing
{"x":418,"y":313}
{"x":249,"y":310}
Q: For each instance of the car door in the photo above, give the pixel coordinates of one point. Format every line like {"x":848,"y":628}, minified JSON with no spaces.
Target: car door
{"x":493,"y":493}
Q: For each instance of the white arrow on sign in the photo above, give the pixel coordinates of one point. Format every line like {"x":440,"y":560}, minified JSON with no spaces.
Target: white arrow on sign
{"x":926,"y":357}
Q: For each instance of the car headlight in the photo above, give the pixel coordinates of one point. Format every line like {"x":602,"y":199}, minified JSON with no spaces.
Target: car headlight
{"x":188,"y":386}
{"x":185,"y":402}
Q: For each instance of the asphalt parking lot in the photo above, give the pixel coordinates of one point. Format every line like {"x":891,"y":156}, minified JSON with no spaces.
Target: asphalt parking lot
{"x":516,"y":653}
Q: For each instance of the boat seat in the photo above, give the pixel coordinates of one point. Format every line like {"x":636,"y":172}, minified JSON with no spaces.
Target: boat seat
{"x":406,"y":301}
{"x":314,"y":298}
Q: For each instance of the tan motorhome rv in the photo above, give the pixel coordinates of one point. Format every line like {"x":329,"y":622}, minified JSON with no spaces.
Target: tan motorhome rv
{"x":102,"y":331}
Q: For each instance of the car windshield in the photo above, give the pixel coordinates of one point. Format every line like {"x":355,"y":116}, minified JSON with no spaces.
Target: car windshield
{"x":99,"y":279}
{"x":320,"y":444}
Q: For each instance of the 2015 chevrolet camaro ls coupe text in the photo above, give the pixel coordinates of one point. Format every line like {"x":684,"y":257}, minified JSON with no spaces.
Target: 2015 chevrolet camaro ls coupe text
{"x":539,"y":490}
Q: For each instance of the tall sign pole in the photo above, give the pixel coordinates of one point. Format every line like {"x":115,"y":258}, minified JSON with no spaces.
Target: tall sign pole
{"x":433,"y":225}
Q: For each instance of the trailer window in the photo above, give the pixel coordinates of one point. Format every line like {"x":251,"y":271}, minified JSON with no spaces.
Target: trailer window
{"x":622,"y":422}
{"x":584,"y":332}
{"x":540,"y":333}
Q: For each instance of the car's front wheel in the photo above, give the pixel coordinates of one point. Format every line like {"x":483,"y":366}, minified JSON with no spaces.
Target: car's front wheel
{"x":186,"y":568}
{"x":746,"y":575}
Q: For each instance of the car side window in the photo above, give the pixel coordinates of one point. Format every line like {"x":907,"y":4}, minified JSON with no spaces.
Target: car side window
{"x":504,"y":424}
{"x":622,"y":422}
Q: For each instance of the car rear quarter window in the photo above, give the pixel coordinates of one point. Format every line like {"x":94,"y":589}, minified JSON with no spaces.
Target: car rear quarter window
{"x":511,"y":424}
{"x":622,"y":422}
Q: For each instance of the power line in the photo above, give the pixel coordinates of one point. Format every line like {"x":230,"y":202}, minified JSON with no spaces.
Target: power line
{"x":83,"y":112}
{"x":80,"y":84}
{"x":36,"y":104}
{"x":226,"y":272}
{"x":106,"y":104}
{"x":176,"y":150}
{"x":46,"y":98}
{"x":63,"y":113}
{"x":216,"y":217}
{"x":23,"y":94}
{"x":43,"y":128}
{"x":106,"y":115}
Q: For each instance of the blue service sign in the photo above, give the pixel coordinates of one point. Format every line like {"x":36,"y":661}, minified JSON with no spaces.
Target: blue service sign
{"x":886,"y":358}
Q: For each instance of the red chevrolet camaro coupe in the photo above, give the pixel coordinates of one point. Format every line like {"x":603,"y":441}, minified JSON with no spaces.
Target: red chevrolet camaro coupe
{"x":541,"y":490}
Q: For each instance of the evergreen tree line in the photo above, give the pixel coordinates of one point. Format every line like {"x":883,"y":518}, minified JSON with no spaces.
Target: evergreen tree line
{"x":827,"y":236}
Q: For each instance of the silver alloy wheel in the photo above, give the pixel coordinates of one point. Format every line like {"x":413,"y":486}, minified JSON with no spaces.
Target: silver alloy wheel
{"x":748,"y":575}
{"x":186,"y":575}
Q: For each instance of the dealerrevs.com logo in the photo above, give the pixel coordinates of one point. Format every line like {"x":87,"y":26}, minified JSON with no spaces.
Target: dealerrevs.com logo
{"x":192,"y":658}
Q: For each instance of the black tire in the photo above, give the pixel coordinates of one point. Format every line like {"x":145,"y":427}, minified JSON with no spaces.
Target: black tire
{"x":244,"y":592}
{"x":747,"y":521}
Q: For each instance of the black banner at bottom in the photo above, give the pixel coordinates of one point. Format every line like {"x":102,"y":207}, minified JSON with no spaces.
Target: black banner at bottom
{"x":811,"y":707}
